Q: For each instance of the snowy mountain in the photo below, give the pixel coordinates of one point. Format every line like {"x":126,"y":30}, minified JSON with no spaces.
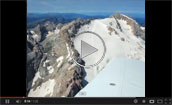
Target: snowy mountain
{"x":123,"y":36}
{"x":51,"y":72}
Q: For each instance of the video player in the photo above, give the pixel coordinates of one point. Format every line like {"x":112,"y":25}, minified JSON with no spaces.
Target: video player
{"x":85,"y":52}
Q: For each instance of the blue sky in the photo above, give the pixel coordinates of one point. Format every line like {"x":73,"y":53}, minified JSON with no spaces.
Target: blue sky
{"x":86,"y":6}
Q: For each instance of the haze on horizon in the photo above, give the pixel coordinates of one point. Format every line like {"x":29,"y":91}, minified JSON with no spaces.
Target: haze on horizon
{"x":86,"y":6}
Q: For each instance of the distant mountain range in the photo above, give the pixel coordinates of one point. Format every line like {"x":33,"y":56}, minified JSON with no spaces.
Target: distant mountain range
{"x":38,"y":18}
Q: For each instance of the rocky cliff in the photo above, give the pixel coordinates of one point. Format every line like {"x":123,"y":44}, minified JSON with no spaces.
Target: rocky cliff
{"x":49,"y":60}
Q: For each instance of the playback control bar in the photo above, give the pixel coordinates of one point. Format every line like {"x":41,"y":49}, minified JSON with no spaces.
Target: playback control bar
{"x":83,"y":101}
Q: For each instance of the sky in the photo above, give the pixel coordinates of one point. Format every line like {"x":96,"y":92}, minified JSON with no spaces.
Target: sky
{"x":86,"y":6}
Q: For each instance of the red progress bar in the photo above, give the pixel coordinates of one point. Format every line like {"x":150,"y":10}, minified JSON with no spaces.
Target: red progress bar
{"x":15,"y":97}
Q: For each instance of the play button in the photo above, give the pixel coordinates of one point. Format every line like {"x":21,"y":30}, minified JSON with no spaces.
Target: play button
{"x":90,"y":47}
{"x":87,"y":49}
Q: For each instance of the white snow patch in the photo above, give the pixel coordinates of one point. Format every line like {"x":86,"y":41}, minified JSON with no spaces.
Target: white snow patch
{"x":27,"y":37}
{"x":37,"y":75}
{"x":56,"y":31}
{"x":44,"y":64}
{"x":125,"y":27}
{"x":43,"y":90}
{"x":35,"y":36}
{"x":52,"y":53}
{"x":32,"y":32}
{"x":50,"y":69}
{"x":143,"y":28}
{"x":68,"y":51}
{"x":59,"y":61}
{"x":50,"y":33}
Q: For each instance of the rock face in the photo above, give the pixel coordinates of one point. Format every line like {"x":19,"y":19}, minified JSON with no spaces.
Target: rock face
{"x":136,"y":28}
{"x":51,"y":72}
{"x":49,"y":61}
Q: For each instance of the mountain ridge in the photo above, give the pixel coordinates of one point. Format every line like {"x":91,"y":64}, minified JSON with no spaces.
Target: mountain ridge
{"x":49,"y":61}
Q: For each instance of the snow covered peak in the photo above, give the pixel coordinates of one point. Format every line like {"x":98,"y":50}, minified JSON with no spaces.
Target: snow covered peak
{"x":135,"y":27}
{"x":123,"y":17}
{"x":123,"y":39}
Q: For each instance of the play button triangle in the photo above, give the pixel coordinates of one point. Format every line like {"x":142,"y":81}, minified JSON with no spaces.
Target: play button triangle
{"x":87,"y":49}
